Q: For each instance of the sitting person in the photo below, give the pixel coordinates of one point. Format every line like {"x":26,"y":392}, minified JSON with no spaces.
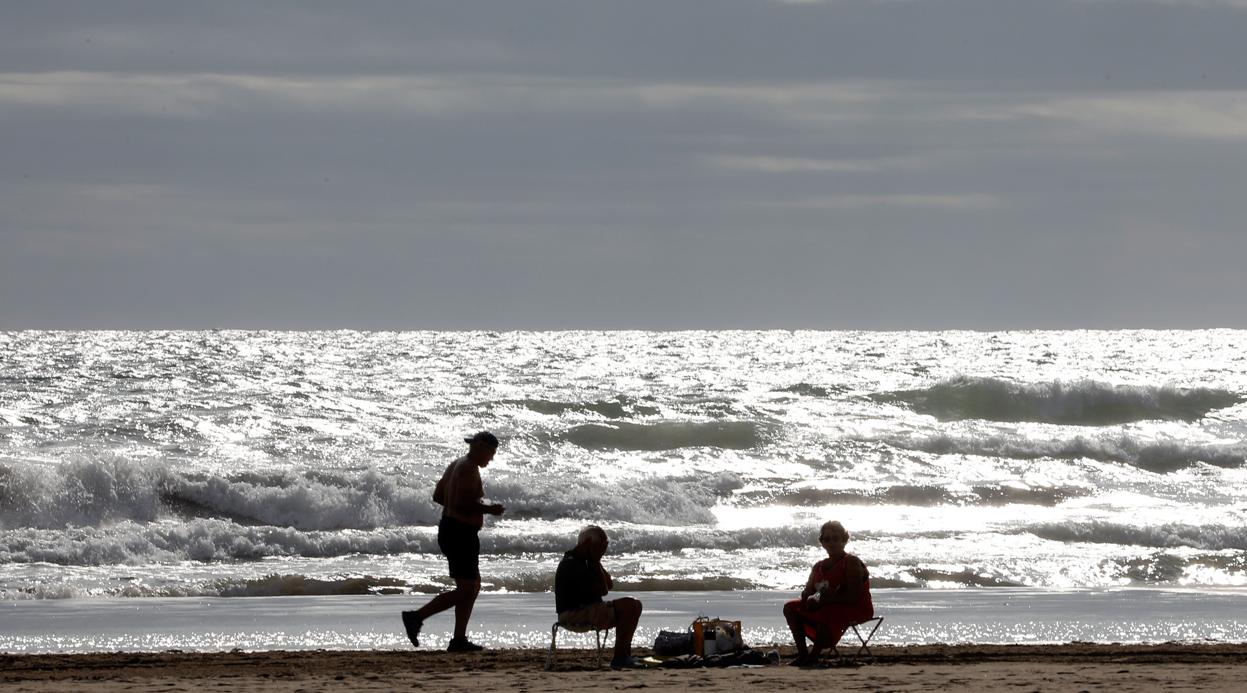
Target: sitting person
{"x":579,"y":586}
{"x":836,"y":596}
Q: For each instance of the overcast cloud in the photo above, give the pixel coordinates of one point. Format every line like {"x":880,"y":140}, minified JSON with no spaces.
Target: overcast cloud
{"x":897,"y":164}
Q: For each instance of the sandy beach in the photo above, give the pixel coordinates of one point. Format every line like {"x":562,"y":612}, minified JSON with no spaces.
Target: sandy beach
{"x":1071,"y":667}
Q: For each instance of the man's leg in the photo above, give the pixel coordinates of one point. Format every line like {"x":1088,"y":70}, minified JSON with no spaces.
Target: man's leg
{"x":627,"y":616}
{"x":465,"y":592}
{"x":441,"y":602}
{"x":467,"y":589}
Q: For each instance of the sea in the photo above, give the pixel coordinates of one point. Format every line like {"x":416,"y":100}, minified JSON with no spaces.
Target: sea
{"x":209,"y":490}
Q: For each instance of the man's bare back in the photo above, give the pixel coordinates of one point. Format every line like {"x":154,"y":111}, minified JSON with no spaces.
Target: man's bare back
{"x":460,"y":492}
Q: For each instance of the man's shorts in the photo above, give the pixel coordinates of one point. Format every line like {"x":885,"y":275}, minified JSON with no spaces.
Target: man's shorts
{"x":461,"y":544}
{"x":600,"y":615}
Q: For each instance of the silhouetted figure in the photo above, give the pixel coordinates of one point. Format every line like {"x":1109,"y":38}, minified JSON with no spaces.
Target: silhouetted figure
{"x":836,"y":596}
{"x":459,"y":492}
{"x":579,"y":586}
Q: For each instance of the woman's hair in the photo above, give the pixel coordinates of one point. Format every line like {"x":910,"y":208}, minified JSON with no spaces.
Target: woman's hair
{"x":834,"y":527}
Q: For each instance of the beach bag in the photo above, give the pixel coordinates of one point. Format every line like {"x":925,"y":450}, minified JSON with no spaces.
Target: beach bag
{"x":716,"y":636}
{"x":672,"y":643}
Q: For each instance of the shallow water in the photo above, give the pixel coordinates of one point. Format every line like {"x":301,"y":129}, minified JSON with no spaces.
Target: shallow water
{"x":1006,"y":615}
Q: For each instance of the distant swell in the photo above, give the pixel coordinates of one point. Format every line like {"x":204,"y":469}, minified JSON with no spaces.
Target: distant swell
{"x":1083,"y":403}
{"x":732,"y":435}
{"x":1154,"y":457}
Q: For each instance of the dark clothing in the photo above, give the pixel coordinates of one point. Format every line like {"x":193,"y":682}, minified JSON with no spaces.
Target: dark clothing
{"x":461,"y":544}
{"x":577,"y":584}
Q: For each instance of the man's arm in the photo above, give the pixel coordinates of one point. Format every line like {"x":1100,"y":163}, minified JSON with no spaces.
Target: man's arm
{"x":604,"y":582}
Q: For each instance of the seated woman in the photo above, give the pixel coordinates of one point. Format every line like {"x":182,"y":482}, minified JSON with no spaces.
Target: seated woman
{"x":836,"y":596}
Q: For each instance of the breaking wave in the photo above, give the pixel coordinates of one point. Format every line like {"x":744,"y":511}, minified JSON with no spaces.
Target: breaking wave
{"x":106,"y":492}
{"x":101,"y":492}
{"x":1083,"y":403}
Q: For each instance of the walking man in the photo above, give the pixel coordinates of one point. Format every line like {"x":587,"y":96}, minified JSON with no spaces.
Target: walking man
{"x":459,"y":492}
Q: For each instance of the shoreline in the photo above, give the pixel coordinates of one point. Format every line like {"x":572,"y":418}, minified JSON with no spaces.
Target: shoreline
{"x":1071,"y":666}
{"x":996,"y":616}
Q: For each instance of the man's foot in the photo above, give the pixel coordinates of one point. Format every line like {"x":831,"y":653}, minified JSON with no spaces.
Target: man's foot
{"x":618,"y":663}
{"x":412,"y":623}
{"x":463,"y":645}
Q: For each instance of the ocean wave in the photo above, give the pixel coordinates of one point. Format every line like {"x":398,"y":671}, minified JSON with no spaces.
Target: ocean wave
{"x":204,"y":540}
{"x":307,"y":501}
{"x":926,"y":578}
{"x":99,"y":492}
{"x":10,"y":417}
{"x":815,"y":391}
{"x":621,"y":407}
{"x":1159,"y":457}
{"x":215,"y":540}
{"x":1171,"y":535}
{"x":103,"y":492}
{"x":917,"y":495}
{"x":667,"y":435}
{"x":1082,"y":403}
{"x":294,"y":584}
{"x":657,"y":501}
{"x":80,"y":493}
{"x":276,"y":585}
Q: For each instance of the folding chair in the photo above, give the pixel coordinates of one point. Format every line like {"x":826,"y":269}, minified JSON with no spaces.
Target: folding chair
{"x":864,"y":648}
{"x":599,"y":634}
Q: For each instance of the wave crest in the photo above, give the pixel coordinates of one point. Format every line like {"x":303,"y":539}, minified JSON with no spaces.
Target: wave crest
{"x":1162,"y":457}
{"x":1082,"y":403}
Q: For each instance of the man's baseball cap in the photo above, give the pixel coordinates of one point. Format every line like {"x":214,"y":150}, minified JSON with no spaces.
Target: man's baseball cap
{"x":483,"y":438}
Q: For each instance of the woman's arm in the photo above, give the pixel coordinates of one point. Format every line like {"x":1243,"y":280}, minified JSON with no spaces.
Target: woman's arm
{"x":810,"y":587}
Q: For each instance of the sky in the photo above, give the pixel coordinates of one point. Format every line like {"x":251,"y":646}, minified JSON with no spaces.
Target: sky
{"x":668,"y":164}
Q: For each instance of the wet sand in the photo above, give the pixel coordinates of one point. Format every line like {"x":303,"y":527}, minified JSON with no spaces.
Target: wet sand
{"x":1072,"y":667}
